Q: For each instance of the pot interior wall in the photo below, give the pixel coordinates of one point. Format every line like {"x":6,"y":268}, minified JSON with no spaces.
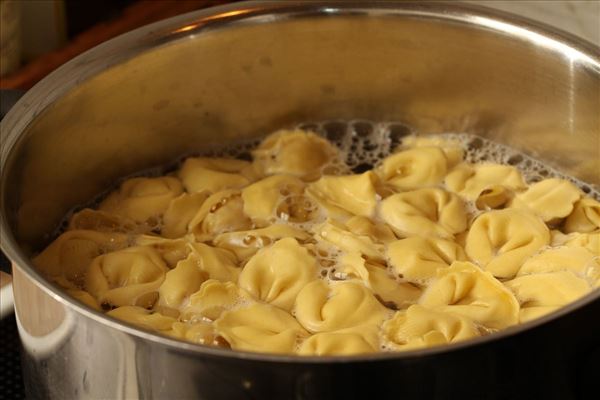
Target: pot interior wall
{"x":217,"y":86}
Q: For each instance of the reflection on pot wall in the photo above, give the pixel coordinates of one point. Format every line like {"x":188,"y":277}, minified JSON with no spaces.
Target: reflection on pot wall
{"x":67,"y":349}
{"x":134,"y":116}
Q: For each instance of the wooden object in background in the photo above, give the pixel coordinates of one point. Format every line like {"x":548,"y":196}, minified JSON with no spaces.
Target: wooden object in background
{"x":138,"y":14}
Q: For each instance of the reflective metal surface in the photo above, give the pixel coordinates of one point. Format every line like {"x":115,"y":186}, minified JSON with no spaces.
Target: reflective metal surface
{"x":234,"y":72}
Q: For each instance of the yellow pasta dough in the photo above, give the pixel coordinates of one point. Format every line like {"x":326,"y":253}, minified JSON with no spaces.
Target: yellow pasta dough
{"x":424,"y":212}
{"x":212,"y":299}
{"x":126,"y":277}
{"x":550,"y":198}
{"x":493,"y":197}
{"x":83,"y":296}
{"x":277,"y":273}
{"x":298,"y":153}
{"x":202,"y":333}
{"x":142,"y":199}
{"x":414,"y":168}
{"x":102,"y":221}
{"x":452,"y":149}
{"x":260,"y":327}
{"x":585,"y":217}
{"x":171,"y":250}
{"x":322,"y":308}
{"x":501,"y":240}
{"x":356,"y":340}
{"x":291,"y":253}
{"x":212,"y":174}
{"x":221,"y":212}
{"x":332,"y":232}
{"x":181,"y":282}
{"x":220,"y":264}
{"x":470,"y":180}
{"x":418,"y":327}
{"x":275,"y":196}
{"x":72,"y":252}
{"x":576,"y":259}
{"x":389,"y":291}
{"x":180,"y":212}
{"x":542,"y":293}
{"x":143,"y":318}
{"x":376,"y":231}
{"x":464,"y":289}
{"x":350,"y":194}
{"x":590,"y":241}
{"x":417,"y":259}
{"x":246,"y":243}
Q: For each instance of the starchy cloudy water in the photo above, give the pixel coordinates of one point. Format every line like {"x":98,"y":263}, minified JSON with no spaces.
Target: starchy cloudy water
{"x":292,"y":245}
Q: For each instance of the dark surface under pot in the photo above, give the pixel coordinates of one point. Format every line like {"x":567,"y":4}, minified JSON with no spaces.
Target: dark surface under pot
{"x":11,"y":380}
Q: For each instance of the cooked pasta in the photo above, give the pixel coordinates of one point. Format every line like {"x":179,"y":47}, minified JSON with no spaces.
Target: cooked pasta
{"x":291,"y":253}
{"x":418,"y":327}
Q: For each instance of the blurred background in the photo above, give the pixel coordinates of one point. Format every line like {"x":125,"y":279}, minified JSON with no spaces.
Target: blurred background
{"x":37,"y":36}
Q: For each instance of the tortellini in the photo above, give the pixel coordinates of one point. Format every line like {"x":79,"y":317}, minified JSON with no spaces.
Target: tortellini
{"x":213,"y":174}
{"x":83,"y":296}
{"x":143,"y":318}
{"x":543,"y":293}
{"x":171,"y":250}
{"x":292,"y":253}
{"x":199,"y":332}
{"x":414,"y":168}
{"x":470,"y":180}
{"x":333,"y":233}
{"x":298,"y":153}
{"x":350,"y":194}
{"x":101,"y":221}
{"x":212,"y":299}
{"x":419,"y":327}
{"x":260,"y":327}
{"x":246,"y":243}
{"x":393,"y":294}
{"x":181,"y":282}
{"x":142,"y":199}
{"x":356,"y":340}
{"x":585,"y":217}
{"x":576,"y":259}
{"x":70,"y":255}
{"x":493,"y":197}
{"x":417,"y":259}
{"x":180,"y":213}
{"x":222,"y":212}
{"x":277,"y":273}
{"x":278,"y":196}
{"x":376,"y":231}
{"x":424,"y":212}
{"x":464,"y":289}
{"x":590,"y":241}
{"x":452,"y":149}
{"x":501,"y":240}
{"x":550,"y":199}
{"x":220,"y":264}
{"x":126,"y":277}
{"x":322,"y":308}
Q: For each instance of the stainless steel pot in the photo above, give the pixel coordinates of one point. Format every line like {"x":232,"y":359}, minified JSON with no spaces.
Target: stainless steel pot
{"x":219,"y":75}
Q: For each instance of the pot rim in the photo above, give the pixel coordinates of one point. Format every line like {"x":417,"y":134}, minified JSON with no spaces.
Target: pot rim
{"x":187,"y":25}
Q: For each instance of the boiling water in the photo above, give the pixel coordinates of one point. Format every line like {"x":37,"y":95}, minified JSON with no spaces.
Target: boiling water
{"x":363,"y":145}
